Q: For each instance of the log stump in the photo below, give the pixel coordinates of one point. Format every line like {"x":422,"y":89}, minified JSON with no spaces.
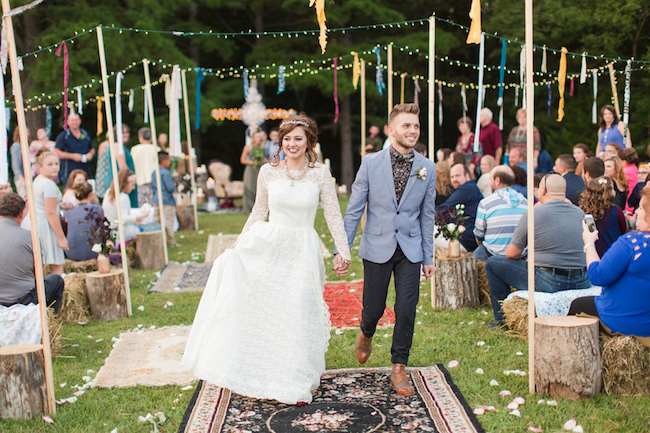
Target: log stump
{"x":567,"y":357}
{"x":107,"y":295}
{"x":456,"y":283}
{"x":149,"y":249}
{"x":22,"y":381}
{"x":185,"y":215}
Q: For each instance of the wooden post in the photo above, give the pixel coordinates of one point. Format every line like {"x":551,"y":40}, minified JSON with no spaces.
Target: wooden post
{"x":190,"y":149}
{"x":154,"y":141}
{"x":116,"y":182}
{"x":22,"y":381}
{"x":36,"y":242}
{"x":363,"y":108}
{"x":389,"y":55}
{"x":432,"y":122}
{"x":530,"y":117}
{"x":106,"y":295}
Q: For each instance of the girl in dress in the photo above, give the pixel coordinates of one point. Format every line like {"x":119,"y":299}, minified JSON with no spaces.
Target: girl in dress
{"x":614,"y":170}
{"x":47,"y":199}
{"x":612,"y":130}
{"x":133,"y":222}
{"x":262,"y":326}
{"x":581,"y":152}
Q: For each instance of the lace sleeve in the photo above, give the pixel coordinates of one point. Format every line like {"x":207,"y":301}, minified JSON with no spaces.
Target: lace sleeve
{"x":261,"y":207}
{"x":333,"y":214}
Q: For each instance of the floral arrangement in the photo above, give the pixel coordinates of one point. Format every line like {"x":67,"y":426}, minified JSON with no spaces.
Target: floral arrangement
{"x":100,"y":234}
{"x":257,"y":156}
{"x":449,"y":222}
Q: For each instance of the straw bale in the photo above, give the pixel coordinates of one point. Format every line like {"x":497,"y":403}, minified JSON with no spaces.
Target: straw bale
{"x":75,"y":306}
{"x":626,"y":365}
{"x":515,"y":311}
{"x":54,"y":325}
{"x":483,"y":285}
{"x":84,"y":266}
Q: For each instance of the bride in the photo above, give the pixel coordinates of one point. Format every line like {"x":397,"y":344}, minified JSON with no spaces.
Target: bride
{"x":262,"y":327}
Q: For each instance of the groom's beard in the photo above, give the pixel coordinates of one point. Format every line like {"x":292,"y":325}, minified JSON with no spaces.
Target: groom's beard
{"x":401,"y":140}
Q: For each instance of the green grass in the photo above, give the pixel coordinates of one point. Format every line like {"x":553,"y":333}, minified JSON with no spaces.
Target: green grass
{"x":440,"y":336}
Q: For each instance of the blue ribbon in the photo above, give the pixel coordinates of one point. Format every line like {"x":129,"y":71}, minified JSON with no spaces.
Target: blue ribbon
{"x":281,"y":80}
{"x":48,"y":121}
{"x":549,"y":99}
{"x":246,"y":85}
{"x":199,"y":79}
{"x":380,"y":73}
{"x":502,"y":67}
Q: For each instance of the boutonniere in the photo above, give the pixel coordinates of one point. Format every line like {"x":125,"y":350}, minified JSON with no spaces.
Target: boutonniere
{"x":421,"y":172}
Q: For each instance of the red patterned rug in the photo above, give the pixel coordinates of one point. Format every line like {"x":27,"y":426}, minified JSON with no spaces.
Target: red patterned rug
{"x":344,"y":300}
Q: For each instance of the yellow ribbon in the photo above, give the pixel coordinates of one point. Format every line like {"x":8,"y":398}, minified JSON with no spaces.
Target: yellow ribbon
{"x":561,"y":81}
{"x":403,"y":76}
{"x":356,"y":70}
{"x":612,"y":79}
{"x":100,"y":117}
{"x":320,"y":16}
{"x":474,"y":35}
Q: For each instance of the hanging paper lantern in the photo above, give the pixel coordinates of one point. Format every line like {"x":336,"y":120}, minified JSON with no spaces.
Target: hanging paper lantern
{"x":253,"y":112}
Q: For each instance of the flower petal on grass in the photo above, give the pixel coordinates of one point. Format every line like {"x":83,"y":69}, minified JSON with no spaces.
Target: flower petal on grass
{"x":479,"y":371}
{"x":513,"y":405}
{"x":453,"y":364}
{"x":551,"y":402}
{"x":186,"y":388}
{"x":494,"y":383}
{"x":535,"y":429}
{"x":47,"y":419}
{"x":141,"y":308}
{"x":520,"y":400}
{"x":515,"y":412}
{"x":578,"y":429}
{"x":480,"y":343}
{"x":519,"y":353}
{"x":570,"y":424}
{"x":479,"y":411}
{"x":505,"y":393}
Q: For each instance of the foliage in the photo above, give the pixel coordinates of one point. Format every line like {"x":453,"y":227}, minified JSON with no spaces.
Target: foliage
{"x":257,"y":156}
{"x":101,"y":237}
{"x":450,"y":222}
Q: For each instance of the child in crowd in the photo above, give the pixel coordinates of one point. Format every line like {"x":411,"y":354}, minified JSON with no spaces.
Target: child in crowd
{"x":169,"y":203}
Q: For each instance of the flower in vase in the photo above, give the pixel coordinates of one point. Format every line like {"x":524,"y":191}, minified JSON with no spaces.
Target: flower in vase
{"x":97,"y":248}
{"x":461,"y":229}
{"x":451,"y":227}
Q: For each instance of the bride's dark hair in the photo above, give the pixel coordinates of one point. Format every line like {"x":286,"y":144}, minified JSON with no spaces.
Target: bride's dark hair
{"x":311,"y":131}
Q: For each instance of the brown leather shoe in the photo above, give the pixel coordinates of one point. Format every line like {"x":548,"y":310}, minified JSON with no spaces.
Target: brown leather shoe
{"x":399,"y":381}
{"x":364,"y":347}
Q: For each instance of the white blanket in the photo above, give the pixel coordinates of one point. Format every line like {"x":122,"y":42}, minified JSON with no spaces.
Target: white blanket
{"x":558,"y":303}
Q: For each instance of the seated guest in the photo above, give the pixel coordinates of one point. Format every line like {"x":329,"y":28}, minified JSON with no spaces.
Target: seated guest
{"x":643,"y":179}
{"x":565,"y":164}
{"x":630,"y":167}
{"x":598,"y":200}
{"x":132,"y":223}
{"x":76,"y":177}
{"x":614,"y":171}
{"x":521,"y":180}
{"x":80,"y":220}
{"x":442,"y":154}
{"x":624,"y":304}
{"x":17,"y":258}
{"x":443,"y":182}
{"x":592,"y":168}
{"x":559,"y":259}
{"x":483,"y":183}
{"x":498,"y":215}
{"x":581,"y":152}
{"x":467,"y":193}
{"x":517,"y":156}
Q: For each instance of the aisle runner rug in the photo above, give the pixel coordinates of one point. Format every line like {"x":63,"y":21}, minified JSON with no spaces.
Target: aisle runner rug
{"x":149,"y":358}
{"x":349,"y":400}
{"x":179,"y":277}
{"x":345,"y":303}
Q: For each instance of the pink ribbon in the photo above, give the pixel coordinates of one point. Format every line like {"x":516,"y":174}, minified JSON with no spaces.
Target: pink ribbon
{"x":66,"y":74}
{"x":336,"y":97}
{"x":571,"y":89}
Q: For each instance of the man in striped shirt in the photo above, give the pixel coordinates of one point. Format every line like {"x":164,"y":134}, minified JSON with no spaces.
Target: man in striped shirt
{"x":498,"y":214}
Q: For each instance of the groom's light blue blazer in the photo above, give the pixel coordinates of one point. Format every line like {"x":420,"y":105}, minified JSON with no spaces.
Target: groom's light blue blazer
{"x":409,"y":223}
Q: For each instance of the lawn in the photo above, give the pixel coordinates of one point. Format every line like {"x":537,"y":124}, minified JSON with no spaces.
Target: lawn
{"x":440,"y":336}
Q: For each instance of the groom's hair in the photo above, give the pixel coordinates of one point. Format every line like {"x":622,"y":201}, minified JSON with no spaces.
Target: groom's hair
{"x":403,"y":108}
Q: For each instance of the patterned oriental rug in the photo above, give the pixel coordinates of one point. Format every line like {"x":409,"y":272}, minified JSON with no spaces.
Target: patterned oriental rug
{"x":348,"y":400}
{"x":345,"y":303}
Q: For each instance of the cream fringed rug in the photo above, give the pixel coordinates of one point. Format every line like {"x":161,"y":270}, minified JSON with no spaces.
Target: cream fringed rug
{"x":148,"y":358}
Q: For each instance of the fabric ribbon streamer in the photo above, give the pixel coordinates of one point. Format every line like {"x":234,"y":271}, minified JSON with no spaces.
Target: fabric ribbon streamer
{"x":544,"y":67}
{"x":416,"y":92}
{"x":246,"y":84}
{"x":626,"y":99}
{"x":66,"y":76}
{"x":522,"y":74}
{"x":594,"y":109}
{"x":479,"y":101}
{"x":48,"y":121}
{"x":146,"y":108}
{"x":403,"y":84}
{"x":571,"y":88}
{"x":8,"y":117}
{"x":612,"y":79}
{"x":380,"y":73}
{"x":320,"y":16}
{"x":548,"y":103}
{"x":173,"y":94}
{"x":583,"y":69}
{"x":475,"y":33}
{"x":100,"y":118}
{"x":356,"y":70}
{"x":502,"y":73}
{"x":463,"y":97}
{"x":439,"y":103}
{"x":561,"y":81}
{"x":4,"y":48}
{"x":4,"y":165}
{"x":131,"y":100}
{"x":282,"y":80}
{"x":516,"y":95}
{"x":197,"y":99}
{"x":336,"y":95}
{"x":80,"y":103}
{"x":118,"y":113}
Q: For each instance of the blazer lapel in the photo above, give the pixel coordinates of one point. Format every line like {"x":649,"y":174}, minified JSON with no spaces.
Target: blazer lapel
{"x":387,"y":168}
{"x":411,"y":180}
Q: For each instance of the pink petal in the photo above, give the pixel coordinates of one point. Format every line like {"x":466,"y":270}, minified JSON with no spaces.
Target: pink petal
{"x":47,"y":419}
{"x":515,"y":412}
{"x":520,"y":400}
{"x":570,"y":424}
{"x":535,"y":429}
{"x":513,"y":405}
{"x":78,"y":393}
{"x":453,"y":364}
{"x":479,"y":411}
{"x":490,"y":408}
{"x":505,"y":393}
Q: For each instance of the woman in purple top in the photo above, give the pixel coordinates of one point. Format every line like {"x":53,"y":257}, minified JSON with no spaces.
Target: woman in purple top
{"x":611,"y":130}
{"x":80,"y":220}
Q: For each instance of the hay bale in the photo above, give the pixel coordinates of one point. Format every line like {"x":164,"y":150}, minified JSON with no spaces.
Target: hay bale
{"x":515,"y":311}
{"x":626,"y":366}
{"x":84,"y":266}
{"x":483,"y":285}
{"x":75,"y":306}
{"x":54,"y":326}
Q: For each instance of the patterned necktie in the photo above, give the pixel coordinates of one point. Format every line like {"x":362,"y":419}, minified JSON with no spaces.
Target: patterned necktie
{"x":405,"y":158}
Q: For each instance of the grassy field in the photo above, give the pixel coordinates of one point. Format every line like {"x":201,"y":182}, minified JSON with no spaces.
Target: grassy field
{"x":440,"y":336}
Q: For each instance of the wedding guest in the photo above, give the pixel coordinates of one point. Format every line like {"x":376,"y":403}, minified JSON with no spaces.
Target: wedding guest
{"x":76,"y":177}
{"x":517,"y":138}
{"x":443,"y":154}
{"x":630,"y":160}
{"x":611,"y":130}
{"x":612,"y":149}
{"x":81,"y":219}
{"x":145,"y":160}
{"x":443,"y":182}
{"x":17,"y":258}
{"x":132,"y":224}
{"x":521,"y":180}
{"x":517,"y":157}
{"x":421,"y":149}
{"x":483,"y":183}
{"x":374,"y":142}
{"x":643,"y":179}
{"x":42,"y":140}
{"x":168,"y":189}
{"x":565,"y":164}
{"x":624,"y":305}
{"x":593,"y":168}
{"x":465,"y":143}
{"x":614,"y":170}
{"x":74,"y":148}
{"x":598,"y":200}
{"x":272,"y":145}
{"x":163,"y":142}
{"x":490,"y":136}
{"x":123,"y":160}
{"x":581,"y":152}
{"x":17,"y":164}
{"x":252,"y":157}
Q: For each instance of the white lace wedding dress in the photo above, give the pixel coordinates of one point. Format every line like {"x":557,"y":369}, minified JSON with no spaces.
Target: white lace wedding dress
{"x":262,"y":327}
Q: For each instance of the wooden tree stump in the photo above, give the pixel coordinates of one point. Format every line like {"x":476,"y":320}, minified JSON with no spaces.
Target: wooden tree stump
{"x":107,"y":295}
{"x":149,"y":248}
{"x":185,"y":215}
{"x":567,"y":357}
{"x":22,"y":381}
{"x":456,"y":284}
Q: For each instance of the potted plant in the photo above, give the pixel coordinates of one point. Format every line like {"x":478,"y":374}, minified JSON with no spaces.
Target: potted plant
{"x":101,"y":239}
{"x":450,"y":227}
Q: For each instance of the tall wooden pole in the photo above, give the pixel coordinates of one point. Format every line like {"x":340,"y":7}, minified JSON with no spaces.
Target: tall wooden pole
{"x":363,"y":108}
{"x":190,"y":149}
{"x":389,"y":55}
{"x":432,"y":122}
{"x":154,"y":141}
{"x":36,"y":242}
{"x":530,"y":117}
{"x":116,"y":182}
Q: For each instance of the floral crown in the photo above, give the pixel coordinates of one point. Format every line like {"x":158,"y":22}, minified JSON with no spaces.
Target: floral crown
{"x":294,"y":122}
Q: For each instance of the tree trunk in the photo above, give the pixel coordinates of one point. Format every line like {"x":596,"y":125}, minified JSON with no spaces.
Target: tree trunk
{"x":106,"y":295}
{"x":456,"y":284}
{"x":347,"y":156}
{"x":22,"y":381}
{"x":150,"y":251}
{"x":185,"y":215}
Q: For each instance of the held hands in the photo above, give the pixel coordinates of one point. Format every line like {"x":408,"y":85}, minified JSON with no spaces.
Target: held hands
{"x":62,"y":243}
{"x":587,"y":236}
{"x":340,"y":265}
{"x":429,"y":270}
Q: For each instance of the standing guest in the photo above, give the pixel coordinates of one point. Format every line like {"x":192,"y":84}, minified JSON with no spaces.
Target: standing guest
{"x":517,"y":157}
{"x":465,"y":193}
{"x":624,"y":305}
{"x":630,"y":166}
{"x":483,"y":183}
{"x":443,"y":154}
{"x":272,"y":146}
{"x":77,"y":177}
{"x":559,"y":259}
{"x":611,"y":130}
{"x":42,"y":140}
{"x":133,"y":224}
{"x":490,"y":136}
{"x":565,"y":164}
{"x":374,"y":142}
{"x":17,"y":164}
{"x":47,"y":199}
{"x":79,"y":225}
{"x":125,"y":160}
{"x":521,"y":181}
{"x":517,"y":138}
{"x":163,"y":142}
{"x":497,"y":216}
{"x":581,"y":152}
{"x":593,"y":168}
{"x":252,"y":156}
{"x":74,"y":148}
{"x":598,"y":200}
{"x":614,"y":170}
{"x":387,"y":142}
{"x":168,"y":201}
{"x":17,"y":258}
{"x":443,"y":182}
{"x":145,"y":160}
{"x":456,"y":158}
{"x":643,"y":179}
{"x":465,"y":143}
{"x":611,"y":149}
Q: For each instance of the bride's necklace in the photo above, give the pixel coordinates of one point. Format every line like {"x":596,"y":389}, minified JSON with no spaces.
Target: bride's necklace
{"x":295,"y":178}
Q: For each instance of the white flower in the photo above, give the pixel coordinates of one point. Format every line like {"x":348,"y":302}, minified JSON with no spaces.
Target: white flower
{"x":461,"y":229}
{"x":422,"y":173}
{"x":451,"y":227}
{"x":97,"y":248}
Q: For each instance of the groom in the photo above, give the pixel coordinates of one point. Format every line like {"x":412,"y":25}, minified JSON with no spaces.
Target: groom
{"x":398,"y":185}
